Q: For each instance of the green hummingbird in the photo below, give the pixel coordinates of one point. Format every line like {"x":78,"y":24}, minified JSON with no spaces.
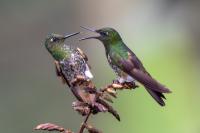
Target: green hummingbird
{"x":69,"y":61}
{"x":126,"y":64}
{"x":72,"y":63}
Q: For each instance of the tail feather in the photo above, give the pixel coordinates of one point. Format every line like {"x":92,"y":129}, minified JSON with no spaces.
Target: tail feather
{"x":154,"y":88}
{"x":148,"y":81}
{"x":157,"y":96}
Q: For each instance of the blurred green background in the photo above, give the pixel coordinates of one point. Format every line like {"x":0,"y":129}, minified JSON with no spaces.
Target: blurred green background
{"x":164,"y":34}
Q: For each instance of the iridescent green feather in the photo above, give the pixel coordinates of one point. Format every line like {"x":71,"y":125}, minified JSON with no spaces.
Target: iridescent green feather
{"x":59,"y":53}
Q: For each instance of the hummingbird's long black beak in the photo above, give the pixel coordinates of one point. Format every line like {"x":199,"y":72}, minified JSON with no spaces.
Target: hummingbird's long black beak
{"x":73,"y":34}
{"x":89,"y":29}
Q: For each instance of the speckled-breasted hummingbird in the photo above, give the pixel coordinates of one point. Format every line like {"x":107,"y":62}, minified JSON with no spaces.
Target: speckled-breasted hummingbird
{"x":126,"y":64}
{"x":72,"y":63}
{"x":65,"y":54}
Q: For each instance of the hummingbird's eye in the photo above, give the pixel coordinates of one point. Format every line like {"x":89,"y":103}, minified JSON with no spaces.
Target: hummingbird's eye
{"x":52,"y":39}
{"x":105,"y":33}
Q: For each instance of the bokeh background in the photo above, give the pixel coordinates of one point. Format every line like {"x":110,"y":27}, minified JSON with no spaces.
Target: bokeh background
{"x":164,"y":34}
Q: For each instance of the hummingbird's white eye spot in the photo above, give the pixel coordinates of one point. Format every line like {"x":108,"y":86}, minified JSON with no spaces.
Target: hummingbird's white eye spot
{"x":52,"y":40}
{"x":105,"y":33}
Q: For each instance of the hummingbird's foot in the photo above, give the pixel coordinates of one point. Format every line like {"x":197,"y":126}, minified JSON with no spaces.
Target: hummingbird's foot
{"x":129,"y":85}
{"x":121,"y":86}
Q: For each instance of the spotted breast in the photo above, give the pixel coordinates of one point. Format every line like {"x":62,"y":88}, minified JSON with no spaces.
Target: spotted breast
{"x":74,"y":65}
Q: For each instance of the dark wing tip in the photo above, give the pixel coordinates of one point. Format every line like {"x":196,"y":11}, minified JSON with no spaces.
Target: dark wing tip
{"x":162,"y":103}
{"x":158,"y":97}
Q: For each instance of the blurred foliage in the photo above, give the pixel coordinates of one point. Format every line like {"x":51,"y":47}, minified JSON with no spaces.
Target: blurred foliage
{"x":163,"y":33}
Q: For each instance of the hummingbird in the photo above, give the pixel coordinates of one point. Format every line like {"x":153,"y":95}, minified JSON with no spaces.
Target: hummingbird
{"x":126,"y":64}
{"x":72,"y":63}
{"x":69,"y":62}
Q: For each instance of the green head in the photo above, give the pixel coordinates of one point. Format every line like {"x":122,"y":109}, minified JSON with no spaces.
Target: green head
{"x":54,"y":44}
{"x":108,"y":36}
